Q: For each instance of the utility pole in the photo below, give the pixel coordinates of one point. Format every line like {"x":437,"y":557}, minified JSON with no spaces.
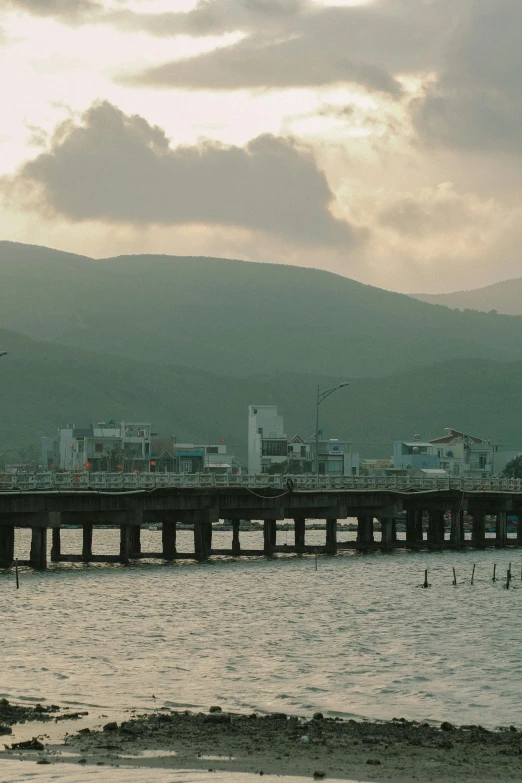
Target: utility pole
{"x":321,"y":395}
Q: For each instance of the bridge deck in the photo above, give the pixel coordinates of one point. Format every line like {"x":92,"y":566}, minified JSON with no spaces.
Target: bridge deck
{"x":201,"y":505}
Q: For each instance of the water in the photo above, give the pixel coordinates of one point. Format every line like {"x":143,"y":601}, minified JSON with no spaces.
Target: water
{"x":357,"y":637}
{"x":16,"y":772}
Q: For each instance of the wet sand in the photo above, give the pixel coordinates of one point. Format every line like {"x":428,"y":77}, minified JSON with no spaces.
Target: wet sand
{"x":327,"y":748}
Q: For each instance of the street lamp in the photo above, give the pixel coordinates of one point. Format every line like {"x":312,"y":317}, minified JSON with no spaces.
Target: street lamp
{"x":322,"y":395}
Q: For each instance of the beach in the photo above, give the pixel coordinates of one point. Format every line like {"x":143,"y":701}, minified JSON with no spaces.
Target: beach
{"x":305,"y":748}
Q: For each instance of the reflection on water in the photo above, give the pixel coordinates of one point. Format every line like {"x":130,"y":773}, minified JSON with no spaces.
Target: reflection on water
{"x":355,"y":637}
{"x":25,"y":772}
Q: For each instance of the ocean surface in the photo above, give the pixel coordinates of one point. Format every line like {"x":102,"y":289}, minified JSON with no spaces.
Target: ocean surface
{"x":356,"y":637}
{"x":26,"y":772}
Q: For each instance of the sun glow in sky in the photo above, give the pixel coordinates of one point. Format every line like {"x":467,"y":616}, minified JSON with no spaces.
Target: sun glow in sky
{"x":390,"y":122}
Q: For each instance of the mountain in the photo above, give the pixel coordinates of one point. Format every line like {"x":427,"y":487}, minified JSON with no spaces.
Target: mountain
{"x":46,"y":385}
{"x":236,"y":318}
{"x":504,"y":297}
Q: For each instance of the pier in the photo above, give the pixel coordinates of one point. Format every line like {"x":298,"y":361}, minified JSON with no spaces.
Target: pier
{"x":202,"y":502}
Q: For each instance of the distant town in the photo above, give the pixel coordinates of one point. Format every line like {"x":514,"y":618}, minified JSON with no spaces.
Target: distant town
{"x":133,"y":447}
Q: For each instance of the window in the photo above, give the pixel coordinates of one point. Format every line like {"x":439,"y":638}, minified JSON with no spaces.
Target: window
{"x":482,"y":461}
{"x":290,"y":449}
{"x":274,"y":448}
{"x":98,"y":447}
{"x":303,"y":451}
{"x":212,"y":450}
{"x":334,"y":466}
{"x":80,"y":445}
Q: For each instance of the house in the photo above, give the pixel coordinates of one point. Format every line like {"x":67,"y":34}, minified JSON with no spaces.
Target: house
{"x":170,"y":456}
{"x":267,"y":441}
{"x":414,"y":454}
{"x":300,"y":455}
{"x":105,"y":446}
{"x":378,"y":467}
{"x":268,"y":445}
{"x":336,"y":457}
{"x":461,"y":454}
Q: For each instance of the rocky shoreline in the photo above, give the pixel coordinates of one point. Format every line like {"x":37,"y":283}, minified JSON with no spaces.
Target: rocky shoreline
{"x":320,"y":747}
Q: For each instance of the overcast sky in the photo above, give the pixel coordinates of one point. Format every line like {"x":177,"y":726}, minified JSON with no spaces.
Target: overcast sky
{"x":381,"y":140}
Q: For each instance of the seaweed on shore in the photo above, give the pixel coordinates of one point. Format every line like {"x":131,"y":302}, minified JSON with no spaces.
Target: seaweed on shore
{"x":10,"y":714}
{"x":160,"y":729}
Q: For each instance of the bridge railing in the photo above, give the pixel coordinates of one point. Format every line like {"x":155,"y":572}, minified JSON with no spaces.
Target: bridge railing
{"x":150,"y":481}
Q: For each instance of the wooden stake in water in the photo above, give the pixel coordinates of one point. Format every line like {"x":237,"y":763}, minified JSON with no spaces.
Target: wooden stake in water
{"x":16,"y":574}
{"x":508,"y":580}
{"x":473,"y":573}
{"x":316,"y":558}
{"x":510,"y":577}
{"x":494,"y":572}
{"x":425,"y":585}
{"x":454,"y":577}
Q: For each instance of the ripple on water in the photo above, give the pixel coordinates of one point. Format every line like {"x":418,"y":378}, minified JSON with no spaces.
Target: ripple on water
{"x":354,"y":637}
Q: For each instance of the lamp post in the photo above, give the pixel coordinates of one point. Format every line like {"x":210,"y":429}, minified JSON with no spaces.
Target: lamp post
{"x":321,"y":395}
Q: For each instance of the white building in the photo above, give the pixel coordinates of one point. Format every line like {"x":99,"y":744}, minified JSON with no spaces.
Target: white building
{"x":269,"y":445}
{"x":267,"y":441}
{"x":336,"y":458}
{"x":105,"y":446}
{"x":465,"y":455}
{"x":170,"y":456}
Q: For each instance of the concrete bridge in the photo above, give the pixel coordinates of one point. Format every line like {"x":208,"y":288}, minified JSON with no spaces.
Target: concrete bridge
{"x":199,"y":506}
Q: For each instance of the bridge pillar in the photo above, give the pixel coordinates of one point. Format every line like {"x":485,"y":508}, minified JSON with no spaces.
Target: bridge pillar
{"x":269,"y":536}
{"x":7,"y":534}
{"x":125,"y":544}
{"x":56,"y":545}
{"x":299,"y":528}
{"x":38,"y":556}
{"x":387,"y":524}
{"x":365,"y":530}
{"x":202,"y":536}
{"x":457,"y":528}
{"x":478,"y":531}
{"x":393,"y":530}
{"x":501,"y":535}
{"x":436,"y":528}
{"x":441,"y":527}
{"x":331,"y":536}
{"x":236,"y":546}
{"x":413,"y":525}
{"x":519,"y":528}
{"x":87,"y":542}
{"x":168,"y":540}
{"x":136,"y":540}
{"x":419,"y":532}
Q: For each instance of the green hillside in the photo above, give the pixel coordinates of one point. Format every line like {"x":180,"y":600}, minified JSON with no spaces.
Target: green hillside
{"x":236,"y":318}
{"x":45,"y":385}
{"x":504,"y":297}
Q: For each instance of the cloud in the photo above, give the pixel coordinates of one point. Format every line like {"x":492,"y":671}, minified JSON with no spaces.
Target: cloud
{"x":302,"y":45}
{"x":116,"y":168}
{"x":73,"y":11}
{"x":254,"y":63}
{"x":476,"y":101}
{"x":432,"y":238}
{"x":435,"y":212}
{"x":214,"y":17}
